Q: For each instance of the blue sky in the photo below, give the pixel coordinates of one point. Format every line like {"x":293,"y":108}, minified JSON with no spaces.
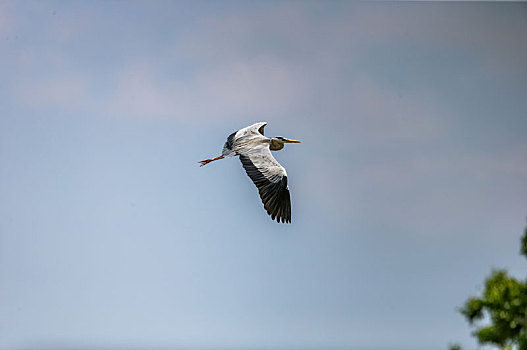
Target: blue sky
{"x":409,"y":187}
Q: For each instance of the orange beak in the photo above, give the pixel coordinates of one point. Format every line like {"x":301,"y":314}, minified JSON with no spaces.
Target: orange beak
{"x":292,"y":141}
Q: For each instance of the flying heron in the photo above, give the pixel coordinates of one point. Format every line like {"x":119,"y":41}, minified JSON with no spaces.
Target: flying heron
{"x":267,"y":174}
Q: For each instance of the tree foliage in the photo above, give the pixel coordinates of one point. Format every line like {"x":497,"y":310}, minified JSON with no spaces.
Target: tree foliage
{"x":504,"y":303}
{"x":454,"y":347}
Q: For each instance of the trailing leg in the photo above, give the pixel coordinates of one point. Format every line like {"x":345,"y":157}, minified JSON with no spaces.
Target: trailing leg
{"x":207,"y":161}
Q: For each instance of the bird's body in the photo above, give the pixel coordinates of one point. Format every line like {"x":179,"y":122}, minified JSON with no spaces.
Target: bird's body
{"x":254,"y":150}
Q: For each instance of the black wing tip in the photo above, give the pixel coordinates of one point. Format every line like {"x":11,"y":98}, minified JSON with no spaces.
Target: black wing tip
{"x":274,"y":195}
{"x":261,"y":128}
{"x":284,"y":219}
{"x":278,"y":204}
{"x":281,"y":214}
{"x":230,"y":141}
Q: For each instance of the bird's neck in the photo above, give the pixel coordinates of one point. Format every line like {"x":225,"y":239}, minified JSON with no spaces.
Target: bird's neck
{"x":276,"y":145}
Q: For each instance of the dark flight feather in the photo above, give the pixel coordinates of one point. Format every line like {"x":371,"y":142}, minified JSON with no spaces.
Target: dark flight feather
{"x":273,"y":191}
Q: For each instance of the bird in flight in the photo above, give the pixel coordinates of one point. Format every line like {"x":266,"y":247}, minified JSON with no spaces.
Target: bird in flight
{"x":267,"y":174}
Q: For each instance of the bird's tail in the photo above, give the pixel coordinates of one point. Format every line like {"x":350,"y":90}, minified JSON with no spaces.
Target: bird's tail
{"x":207,"y":161}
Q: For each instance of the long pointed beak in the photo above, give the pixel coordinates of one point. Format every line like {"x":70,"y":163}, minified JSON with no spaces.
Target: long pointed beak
{"x":292,"y":141}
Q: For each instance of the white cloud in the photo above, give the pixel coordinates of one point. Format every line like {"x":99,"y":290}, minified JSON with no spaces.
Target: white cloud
{"x":235,"y":90}
{"x":276,"y":61}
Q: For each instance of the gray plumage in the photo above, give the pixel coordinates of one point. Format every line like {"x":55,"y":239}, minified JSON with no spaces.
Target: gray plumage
{"x":254,"y":150}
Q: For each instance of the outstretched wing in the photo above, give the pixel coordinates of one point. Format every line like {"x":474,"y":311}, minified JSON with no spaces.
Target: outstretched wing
{"x":271,"y":179}
{"x":251,"y":131}
{"x":255,"y":129}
